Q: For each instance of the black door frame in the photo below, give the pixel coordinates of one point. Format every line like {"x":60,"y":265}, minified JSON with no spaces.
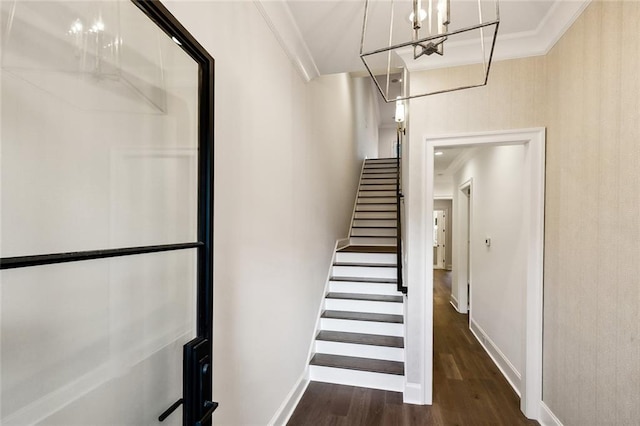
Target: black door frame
{"x":159,"y":14}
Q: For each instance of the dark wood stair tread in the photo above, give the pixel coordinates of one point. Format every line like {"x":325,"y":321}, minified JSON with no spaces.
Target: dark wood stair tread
{"x":377,"y":204}
{"x":363,"y":316}
{"x":361,"y":364}
{"x":375,"y":218}
{"x":378,"y":178}
{"x":375,"y":227}
{"x":361,"y":339}
{"x":368,"y":249}
{"x":364,"y":265}
{"x":374,"y":236}
{"x":365,"y":280}
{"x":378,"y":196}
{"x":365,"y":297}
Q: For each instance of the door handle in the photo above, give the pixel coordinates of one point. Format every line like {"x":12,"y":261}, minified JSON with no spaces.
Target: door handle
{"x":211,"y":407}
{"x":196,"y":386}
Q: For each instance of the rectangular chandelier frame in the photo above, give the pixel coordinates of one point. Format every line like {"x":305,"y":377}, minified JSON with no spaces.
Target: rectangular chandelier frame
{"x":421,"y":41}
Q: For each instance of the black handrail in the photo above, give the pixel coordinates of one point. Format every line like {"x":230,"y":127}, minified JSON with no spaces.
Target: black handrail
{"x":401,"y":286}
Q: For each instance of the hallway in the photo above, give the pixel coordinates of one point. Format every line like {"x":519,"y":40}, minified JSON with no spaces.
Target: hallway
{"x":468,"y":387}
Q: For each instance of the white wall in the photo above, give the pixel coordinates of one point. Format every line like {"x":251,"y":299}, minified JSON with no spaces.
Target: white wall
{"x":366,"y":118}
{"x":498,"y":272}
{"x":286,"y":168}
{"x":387,"y":137}
{"x":286,"y":172}
{"x":443,"y":187}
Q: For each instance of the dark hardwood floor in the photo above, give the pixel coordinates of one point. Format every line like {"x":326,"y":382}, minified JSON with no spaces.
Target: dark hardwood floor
{"x":468,"y":387}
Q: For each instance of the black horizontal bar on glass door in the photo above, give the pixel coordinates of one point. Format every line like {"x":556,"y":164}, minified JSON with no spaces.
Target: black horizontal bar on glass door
{"x":50,"y":259}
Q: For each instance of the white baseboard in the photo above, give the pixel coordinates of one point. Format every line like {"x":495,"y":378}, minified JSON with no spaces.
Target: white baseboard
{"x":547,"y":418}
{"x":281,"y":417}
{"x":454,"y":303}
{"x":500,"y":360}
{"x":413,"y":394}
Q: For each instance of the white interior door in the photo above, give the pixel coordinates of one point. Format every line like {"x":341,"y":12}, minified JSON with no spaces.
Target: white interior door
{"x":439,"y":239}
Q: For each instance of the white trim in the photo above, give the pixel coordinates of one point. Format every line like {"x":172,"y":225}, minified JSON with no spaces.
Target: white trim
{"x":412,"y":393}
{"x":355,"y":202}
{"x":499,"y":358}
{"x":454,"y":302}
{"x":317,"y":328}
{"x":465,"y":281}
{"x":288,"y":406}
{"x":524,"y":44}
{"x":459,"y":161}
{"x":280,"y":20}
{"x":420,"y":272}
{"x":547,"y":418}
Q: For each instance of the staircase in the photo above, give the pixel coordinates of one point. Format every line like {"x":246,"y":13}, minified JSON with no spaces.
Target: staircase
{"x":361,"y":337}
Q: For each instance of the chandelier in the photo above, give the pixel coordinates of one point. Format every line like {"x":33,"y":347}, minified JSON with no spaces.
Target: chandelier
{"x":433,"y":37}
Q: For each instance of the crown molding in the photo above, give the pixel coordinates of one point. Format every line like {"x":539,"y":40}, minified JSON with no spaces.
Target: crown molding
{"x":558,"y":20}
{"x":538,"y":42}
{"x":280,"y":20}
{"x":460,"y":161}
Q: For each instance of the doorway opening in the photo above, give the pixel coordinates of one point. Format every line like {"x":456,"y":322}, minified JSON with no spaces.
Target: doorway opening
{"x":531,"y":233}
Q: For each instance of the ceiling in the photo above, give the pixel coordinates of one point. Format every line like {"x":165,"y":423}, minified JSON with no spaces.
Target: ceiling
{"x":323,"y":36}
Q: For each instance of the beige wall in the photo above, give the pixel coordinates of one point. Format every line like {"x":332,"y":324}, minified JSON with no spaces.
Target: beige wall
{"x":586,"y":93}
{"x":592,"y":260}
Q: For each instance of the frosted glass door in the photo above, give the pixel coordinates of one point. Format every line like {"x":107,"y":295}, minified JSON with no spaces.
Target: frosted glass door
{"x":100,"y":196}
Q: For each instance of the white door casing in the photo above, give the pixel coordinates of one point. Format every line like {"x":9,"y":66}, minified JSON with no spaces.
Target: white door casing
{"x":419,"y":269}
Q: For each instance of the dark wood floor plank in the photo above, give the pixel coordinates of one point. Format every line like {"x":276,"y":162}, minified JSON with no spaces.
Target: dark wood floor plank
{"x":477,"y":395}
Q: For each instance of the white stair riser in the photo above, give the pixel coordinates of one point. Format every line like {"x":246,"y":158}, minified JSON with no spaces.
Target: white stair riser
{"x":376,"y":200}
{"x":390,"y":193}
{"x":363,"y":288}
{"x":376,"y":215}
{"x":364,"y":272}
{"x":382,"y":241}
{"x":386,"y":258}
{"x":363,"y":379}
{"x":375,"y":222}
{"x":367,"y":327}
{"x":363,"y":306}
{"x":379,"y":187}
{"x":381,"y":164}
{"x":360,"y":351}
{"x":376,"y":175}
{"x":375,"y":206}
{"x":379,"y":232}
{"x":383,"y":168}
